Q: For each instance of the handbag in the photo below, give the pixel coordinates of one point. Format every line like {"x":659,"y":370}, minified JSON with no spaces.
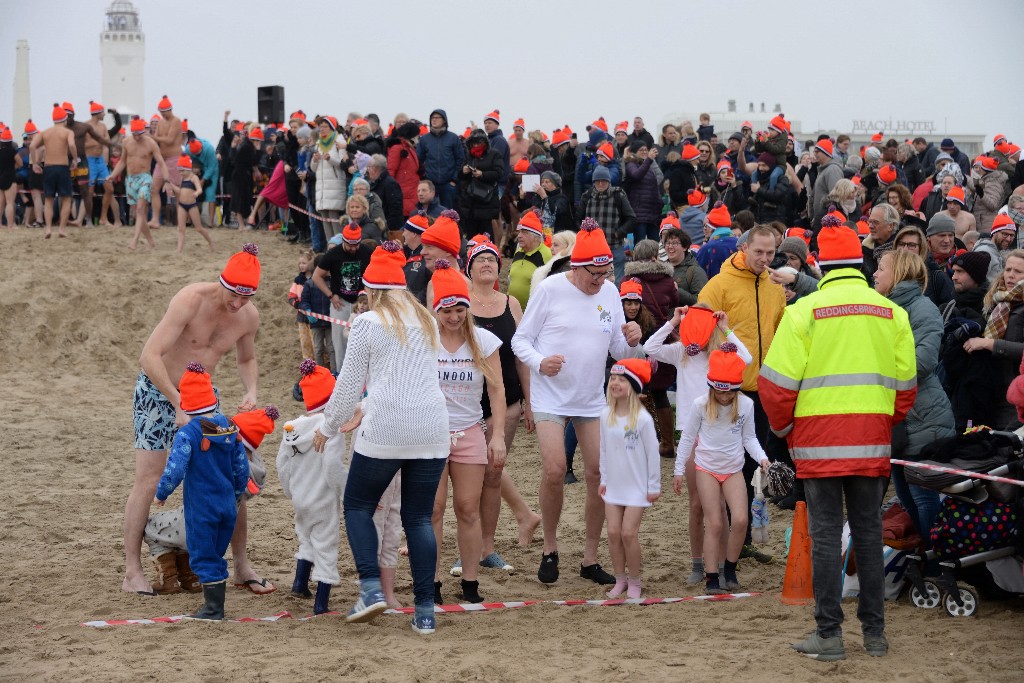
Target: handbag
{"x":480,"y":192}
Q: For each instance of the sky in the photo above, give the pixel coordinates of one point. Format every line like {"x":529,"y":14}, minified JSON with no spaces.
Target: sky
{"x":828,"y":63}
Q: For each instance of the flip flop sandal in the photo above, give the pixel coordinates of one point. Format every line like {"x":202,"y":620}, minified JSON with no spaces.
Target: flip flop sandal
{"x":251,"y":583}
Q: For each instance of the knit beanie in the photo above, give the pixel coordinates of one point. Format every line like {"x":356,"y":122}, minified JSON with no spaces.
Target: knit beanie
{"x":253,"y":425}
{"x":838,"y":245}
{"x":196,"y":390}
{"x":795,"y":246}
{"x":95,"y":108}
{"x":352,"y":233}
{"x":137,"y":126}
{"x":719,"y":216}
{"x":591,"y":247}
{"x":725,"y":367}
{"x":450,"y":288}
{"x":956,"y":194}
{"x":767,"y":159}
{"x":669,"y":222}
{"x":30,"y":128}
{"x":695,"y":329}
{"x":196,"y":147}
{"x":485,"y":247}
{"x":530,"y":222}
{"x":941,"y":223}
{"x":521,"y":166}
{"x":59,"y":115}
{"x":444,"y":233}
{"x":553,"y":177}
{"x":975,"y":263}
{"x":690,"y":152}
{"x":637,"y":370}
{"x":317,"y":385}
{"x":695,"y":197}
{"x":1002,"y":223}
{"x":164,"y":104}
{"x":185,"y":161}
{"x":826,"y":147}
{"x":416,"y":223}
{"x":631,"y":289}
{"x":601,"y":173}
{"x":386,"y":268}
{"x":242,"y":273}
{"x":256,"y":134}
{"x":887,"y":174}
{"x":607,"y":151}
{"x":494,"y":116}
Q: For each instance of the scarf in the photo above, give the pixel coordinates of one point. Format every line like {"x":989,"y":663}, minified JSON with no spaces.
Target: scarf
{"x":326,"y":144}
{"x":1000,"y":315}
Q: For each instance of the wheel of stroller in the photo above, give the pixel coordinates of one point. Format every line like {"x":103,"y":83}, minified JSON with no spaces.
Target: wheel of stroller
{"x":968,"y":597}
{"x":930,"y":599}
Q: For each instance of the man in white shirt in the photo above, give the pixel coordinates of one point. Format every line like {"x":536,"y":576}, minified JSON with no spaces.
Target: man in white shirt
{"x":574,"y":321}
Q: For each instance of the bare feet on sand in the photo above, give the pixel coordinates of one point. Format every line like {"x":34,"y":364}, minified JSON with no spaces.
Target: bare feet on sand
{"x":527,"y":529}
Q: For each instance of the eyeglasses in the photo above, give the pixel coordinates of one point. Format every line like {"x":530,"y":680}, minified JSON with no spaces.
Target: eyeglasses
{"x":485,"y":259}
{"x":599,"y":275}
{"x":908,"y":245}
{"x":673,"y":243}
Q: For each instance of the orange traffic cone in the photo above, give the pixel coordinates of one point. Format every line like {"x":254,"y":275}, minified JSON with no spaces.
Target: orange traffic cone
{"x":797,"y":588}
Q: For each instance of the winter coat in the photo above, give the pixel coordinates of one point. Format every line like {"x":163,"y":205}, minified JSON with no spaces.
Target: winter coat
{"x":643,"y":191}
{"x":714,"y":253}
{"x":404,"y":167}
{"x":931,"y":417}
{"x":681,"y":179}
{"x":993,"y":190}
{"x":690,"y":278}
{"x":940,"y":287}
{"x":498,"y":143}
{"x":585,"y":173}
{"x":391,"y":196}
{"x":995,"y":259}
{"x":914,"y":172}
{"x":773,"y":205}
{"x":691,"y":221}
{"x":828,"y":175}
{"x":490,"y":165}
{"x":441,"y":154}
{"x":556,"y":211}
{"x":733,"y":197}
{"x":660,"y":296}
{"x":331,"y":181}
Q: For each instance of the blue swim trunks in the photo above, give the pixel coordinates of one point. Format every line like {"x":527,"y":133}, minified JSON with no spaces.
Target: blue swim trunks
{"x":139,"y":186}
{"x":153,"y":416}
{"x":98,"y":171}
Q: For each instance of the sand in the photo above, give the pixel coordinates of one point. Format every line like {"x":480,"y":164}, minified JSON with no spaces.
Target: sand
{"x":76,"y":313}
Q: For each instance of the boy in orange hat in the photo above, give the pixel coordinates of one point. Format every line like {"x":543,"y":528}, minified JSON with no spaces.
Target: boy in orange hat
{"x":189,"y":193}
{"x":214,"y":481}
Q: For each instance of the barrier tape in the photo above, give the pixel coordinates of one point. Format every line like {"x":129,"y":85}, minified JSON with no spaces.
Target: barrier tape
{"x":442,"y":609}
{"x":953,"y":470}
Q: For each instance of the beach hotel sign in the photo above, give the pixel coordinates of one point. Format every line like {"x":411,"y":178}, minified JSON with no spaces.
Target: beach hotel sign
{"x":892,"y":126}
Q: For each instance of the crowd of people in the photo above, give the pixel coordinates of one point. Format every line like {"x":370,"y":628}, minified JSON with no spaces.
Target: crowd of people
{"x":732,"y":264}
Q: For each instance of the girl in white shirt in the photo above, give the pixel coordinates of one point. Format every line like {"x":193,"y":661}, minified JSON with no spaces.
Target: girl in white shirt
{"x":700,"y":331}
{"x":721,"y":424}
{"x":468,"y":356}
{"x":630,"y":470}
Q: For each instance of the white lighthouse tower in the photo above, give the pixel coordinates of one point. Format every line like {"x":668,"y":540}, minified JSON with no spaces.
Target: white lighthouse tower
{"x":22,"y":95}
{"x":123,"y":56}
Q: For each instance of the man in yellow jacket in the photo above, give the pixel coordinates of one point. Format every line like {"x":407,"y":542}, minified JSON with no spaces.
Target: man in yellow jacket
{"x":840,"y":374}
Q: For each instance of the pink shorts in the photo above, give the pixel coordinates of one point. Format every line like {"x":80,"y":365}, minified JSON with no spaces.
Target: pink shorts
{"x":173,"y":176}
{"x":470,"y":448}
{"x":720,"y":477}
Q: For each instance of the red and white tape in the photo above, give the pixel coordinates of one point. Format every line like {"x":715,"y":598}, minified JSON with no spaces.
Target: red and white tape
{"x":445,"y":609}
{"x":954,"y":470}
{"x":321,"y":316}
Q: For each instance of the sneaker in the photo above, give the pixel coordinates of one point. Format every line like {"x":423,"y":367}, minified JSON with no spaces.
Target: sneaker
{"x":751,"y":550}
{"x":367,"y":607}
{"x":494,"y":561}
{"x":876,"y":646}
{"x":456,"y":569}
{"x":597,"y":575}
{"x":695,"y":577}
{"x":570,"y":477}
{"x":822,"y":649}
{"x":424,"y":625}
{"x":297,"y":392}
{"x":548,"y":572}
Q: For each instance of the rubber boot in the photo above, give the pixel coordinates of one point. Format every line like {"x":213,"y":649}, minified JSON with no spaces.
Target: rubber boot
{"x":187,"y":579}
{"x":213,"y":607}
{"x":666,"y":427}
{"x":166,"y":575}
{"x":323,"y":595}
{"x":300,"y":586}
{"x":471,"y":591}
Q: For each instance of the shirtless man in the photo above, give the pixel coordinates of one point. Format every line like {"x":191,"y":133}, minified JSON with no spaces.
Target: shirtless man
{"x":138,"y":155}
{"x":80,"y":175}
{"x":97,"y":154}
{"x":169,"y":136}
{"x":59,"y":144}
{"x":203,"y":321}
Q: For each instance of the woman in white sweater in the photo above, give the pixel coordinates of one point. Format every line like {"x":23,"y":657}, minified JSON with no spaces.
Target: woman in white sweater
{"x":393,"y":353}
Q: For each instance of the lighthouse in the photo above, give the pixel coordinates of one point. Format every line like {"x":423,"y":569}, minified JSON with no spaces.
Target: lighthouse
{"x":123,"y":56}
{"x":22,"y":95}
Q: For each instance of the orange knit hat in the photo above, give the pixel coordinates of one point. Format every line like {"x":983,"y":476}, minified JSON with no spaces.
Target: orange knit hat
{"x":450,"y":288}
{"x":530,"y":221}
{"x":256,"y":133}
{"x":196,"y":390}
{"x":559,"y":138}
{"x":484,"y":247}
{"x":59,"y":115}
{"x":719,"y":216}
{"x":1002,"y":222}
{"x":494,"y":116}
{"x":184,"y":125}
{"x":838,"y":245}
{"x":778,"y":122}
{"x":242,"y":273}
{"x":999,"y":139}
{"x":253,"y":425}
{"x":196,"y":147}
{"x":631,"y":289}
{"x":30,"y":128}
{"x":695,"y":197}
{"x":298,"y":115}
{"x":519,"y":123}
{"x":637,"y":370}
{"x":444,"y":233}
{"x":690,"y":152}
{"x":607,"y":150}
{"x":137,"y":126}
{"x":725,"y":367}
{"x":956,"y":194}
{"x":877,"y":137}
{"x":185,"y":161}
{"x":599,"y":123}
{"x":521,"y":166}
{"x":591,"y":247}
{"x":695,"y":329}
{"x":723,"y":165}
{"x":386,"y":267}
{"x":887,"y":174}
{"x":825,"y":146}
{"x":6,"y":135}
{"x":352,"y":233}
{"x":622,"y":127}
{"x":317,"y":385}
{"x":164,"y":104}
{"x":95,"y":108}
{"x":986,"y":162}
{"x":670,"y":221}
{"x":416,"y":223}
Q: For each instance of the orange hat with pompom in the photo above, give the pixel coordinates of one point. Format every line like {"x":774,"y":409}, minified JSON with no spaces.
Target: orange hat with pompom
{"x":164,"y":105}
{"x":196,"y":147}
{"x":416,"y":223}
{"x":530,"y":222}
{"x":521,"y":166}
{"x":317,"y":385}
{"x":838,"y":245}
{"x":1002,"y":222}
{"x":887,"y":174}
{"x":59,"y":114}
{"x":622,"y":127}
{"x":631,"y":289}
{"x":494,"y":116}
{"x":725,"y":367}
{"x":253,"y":425}
{"x":719,"y":216}
{"x":519,"y":123}
{"x":559,"y":138}
{"x":607,"y":151}
{"x":450,"y":287}
{"x":256,"y":133}
{"x":695,"y":197}
{"x":241,"y":275}
{"x":695,"y":329}
{"x":637,"y":370}
{"x":670,"y":221}
{"x":956,"y":194}
{"x":137,"y":126}
{"x":690,"y":152}
{"x":444,"y":233}
{"x":351,"y":234}
{"x":30,"y":128}
{"x":196,"y":390}
{"x":591,"y":248}
{"x":386,"y":267}
{"x":95,"y":108}
{"x":185,"y":161}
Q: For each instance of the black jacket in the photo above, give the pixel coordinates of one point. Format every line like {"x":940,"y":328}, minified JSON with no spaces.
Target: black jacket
{"x":681,"y":179}
{"x":390,"y":193}
{"x":490,"y":164}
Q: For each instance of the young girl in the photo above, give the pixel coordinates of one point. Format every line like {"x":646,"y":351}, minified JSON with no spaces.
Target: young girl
{"x":362,"y":305}
{"x":630,"y":470}
{"x":189,"y":193}
{"x":700,"y":330}
{"x":721,"y":424}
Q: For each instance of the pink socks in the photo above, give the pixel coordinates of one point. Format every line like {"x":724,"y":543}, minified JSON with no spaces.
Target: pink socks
{"x":619,"y":588}
{"x":633,"y":588}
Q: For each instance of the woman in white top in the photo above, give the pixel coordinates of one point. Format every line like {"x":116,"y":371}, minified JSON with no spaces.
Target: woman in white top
{"x":393,"y":352}
{"x":468,"y":355}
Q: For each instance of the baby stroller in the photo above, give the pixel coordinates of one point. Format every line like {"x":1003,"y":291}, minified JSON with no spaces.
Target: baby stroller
{"x":975,"y":537}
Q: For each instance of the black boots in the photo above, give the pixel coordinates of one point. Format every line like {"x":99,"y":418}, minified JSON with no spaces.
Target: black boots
{"x":323,"y":595}
{"x":300,"y":586}
{"x":471,"y":591}
{"x":213,"y":607}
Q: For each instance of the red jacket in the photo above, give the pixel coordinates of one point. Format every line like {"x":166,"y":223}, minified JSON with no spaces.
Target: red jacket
{"x":404,"y":166}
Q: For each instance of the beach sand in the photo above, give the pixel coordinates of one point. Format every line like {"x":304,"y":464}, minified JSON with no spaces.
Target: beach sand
{"x":75,"y":313}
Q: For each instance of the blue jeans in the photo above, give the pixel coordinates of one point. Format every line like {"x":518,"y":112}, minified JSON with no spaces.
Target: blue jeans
{"x":645,"y":231}
{"x":367,"y":480}
{"x":922,"y":504}
{"x":825,"y":519}
{"x":445,"y":193}
{"x":619,"y":262}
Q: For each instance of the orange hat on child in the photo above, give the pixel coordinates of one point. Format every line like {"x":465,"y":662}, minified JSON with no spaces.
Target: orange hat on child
{"x":444,"y":233}
{"x":637,"y":370}
{"x":591,"y":248}
{"x":670,"y":221}
{"x":695,"y":329}
{"x":242,"y":273}
{"x":838,"y":245}
{"x":530,"y":222}
{"x":778,"y":122}
{"x":317,"y":385}
{"x":607,"y":151}
{"x":253,"y":425}
{"x":725,"y":367}
{"x":59,"y":115}
{"x":256,"y":133}
{"x":196,"y":390}
{"x":164,"y":105}
{"x":352,"y":233}
{"x":450,"y":288}
{"x":185,"y":161}
{"x":386,"y":267}
{"x":719,"y":216}
{"x":631,"y":289}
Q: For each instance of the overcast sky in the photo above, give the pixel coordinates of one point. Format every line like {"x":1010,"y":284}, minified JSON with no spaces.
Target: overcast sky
{"x":827,"y":63}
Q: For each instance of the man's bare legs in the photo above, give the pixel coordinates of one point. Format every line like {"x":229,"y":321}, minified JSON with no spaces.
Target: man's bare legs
{"x":65,"y":212}
{"x":244,"y":570}
{"x":141,"y":227}
{"x":149,"y":465}
{"x":589,"y":435}
{"x":108,"y":202}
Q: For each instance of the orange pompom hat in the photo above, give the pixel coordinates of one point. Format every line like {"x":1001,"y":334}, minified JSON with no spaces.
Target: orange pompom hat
{"x":59,"y":114}
{"x":637,"y":370}
{"x":450,"y":288}
{"x":779,"y":122}
{"x":607,"y":150}
{"x":242,"y":273}
{"x":185,"y":161}
{"x":137,"y":126}
{"x":444,"y":233}
{"x":999,"y":139}
{"x":485,"y":247}
{"x":956,"y":194}
{"x":1002,"y":222}
{"x":6,"y":135}
{"x":530,"y":221}
{"x":725,"y":367}
{"x":591,"y":246}
{"x":695,"y":197}
{"x":519,"y":123}
{"x":351,"y":234}
{"x":670,"y":221}
{"x":196,"y":390}
{"x":825,"y":146}
{"x":95,"y":108}
{"x":986,"y":162}
{"x":416,"y":223}
{"x":297,"y":116}
{"x":887,"y":174}
{"x":599,"y":123}
{"x":690,"y":152}
{"x":30,"y":128}
{"x":195,"y":147}
{"x":724,"y":165}
{"x":631,"y":289}
{"x":386,"y":267}
{"x":559,"y":138}
{"x":164,"y":104}
{"x":695,"y":329}
{"x":317,"y":385}
{"x":877,"y":137}
{"x":521,"y":166}
{"x":719,"y":216}
{"x":494,"y":116}
{"x":622,"y":127}
{"x":253,"y":425}
{"x":838,"y":245}
{"x":256,"y":134}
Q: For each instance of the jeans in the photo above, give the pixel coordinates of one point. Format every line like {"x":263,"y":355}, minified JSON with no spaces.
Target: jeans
{"x":922,"y":504}
{"x":619,"y":262}
{"x":368,"y":478}
{"x":645,"y":231}
{"x":825,"y":518}
{"x":445,"y":193}
{"x":316,"y":231}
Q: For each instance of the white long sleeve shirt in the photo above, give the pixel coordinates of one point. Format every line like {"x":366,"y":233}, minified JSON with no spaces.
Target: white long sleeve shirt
{"x":584,"y":329}
{"x":721,"y":442}
{"x":630,"y":462}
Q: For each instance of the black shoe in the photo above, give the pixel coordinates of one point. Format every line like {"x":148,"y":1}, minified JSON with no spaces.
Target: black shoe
{"x":787,"y":502}
{"x":570,"y":477}
{"x":597,"y":575}
{"x":438,"y":600}
{"x":323,"y":595}
{"x":293,"y":238}
{"x":213,"y":606}
{"x":297,"y":392}
{"x":300,"y":586}
{"x":548,"y":572}
{"x":471,"y":591}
